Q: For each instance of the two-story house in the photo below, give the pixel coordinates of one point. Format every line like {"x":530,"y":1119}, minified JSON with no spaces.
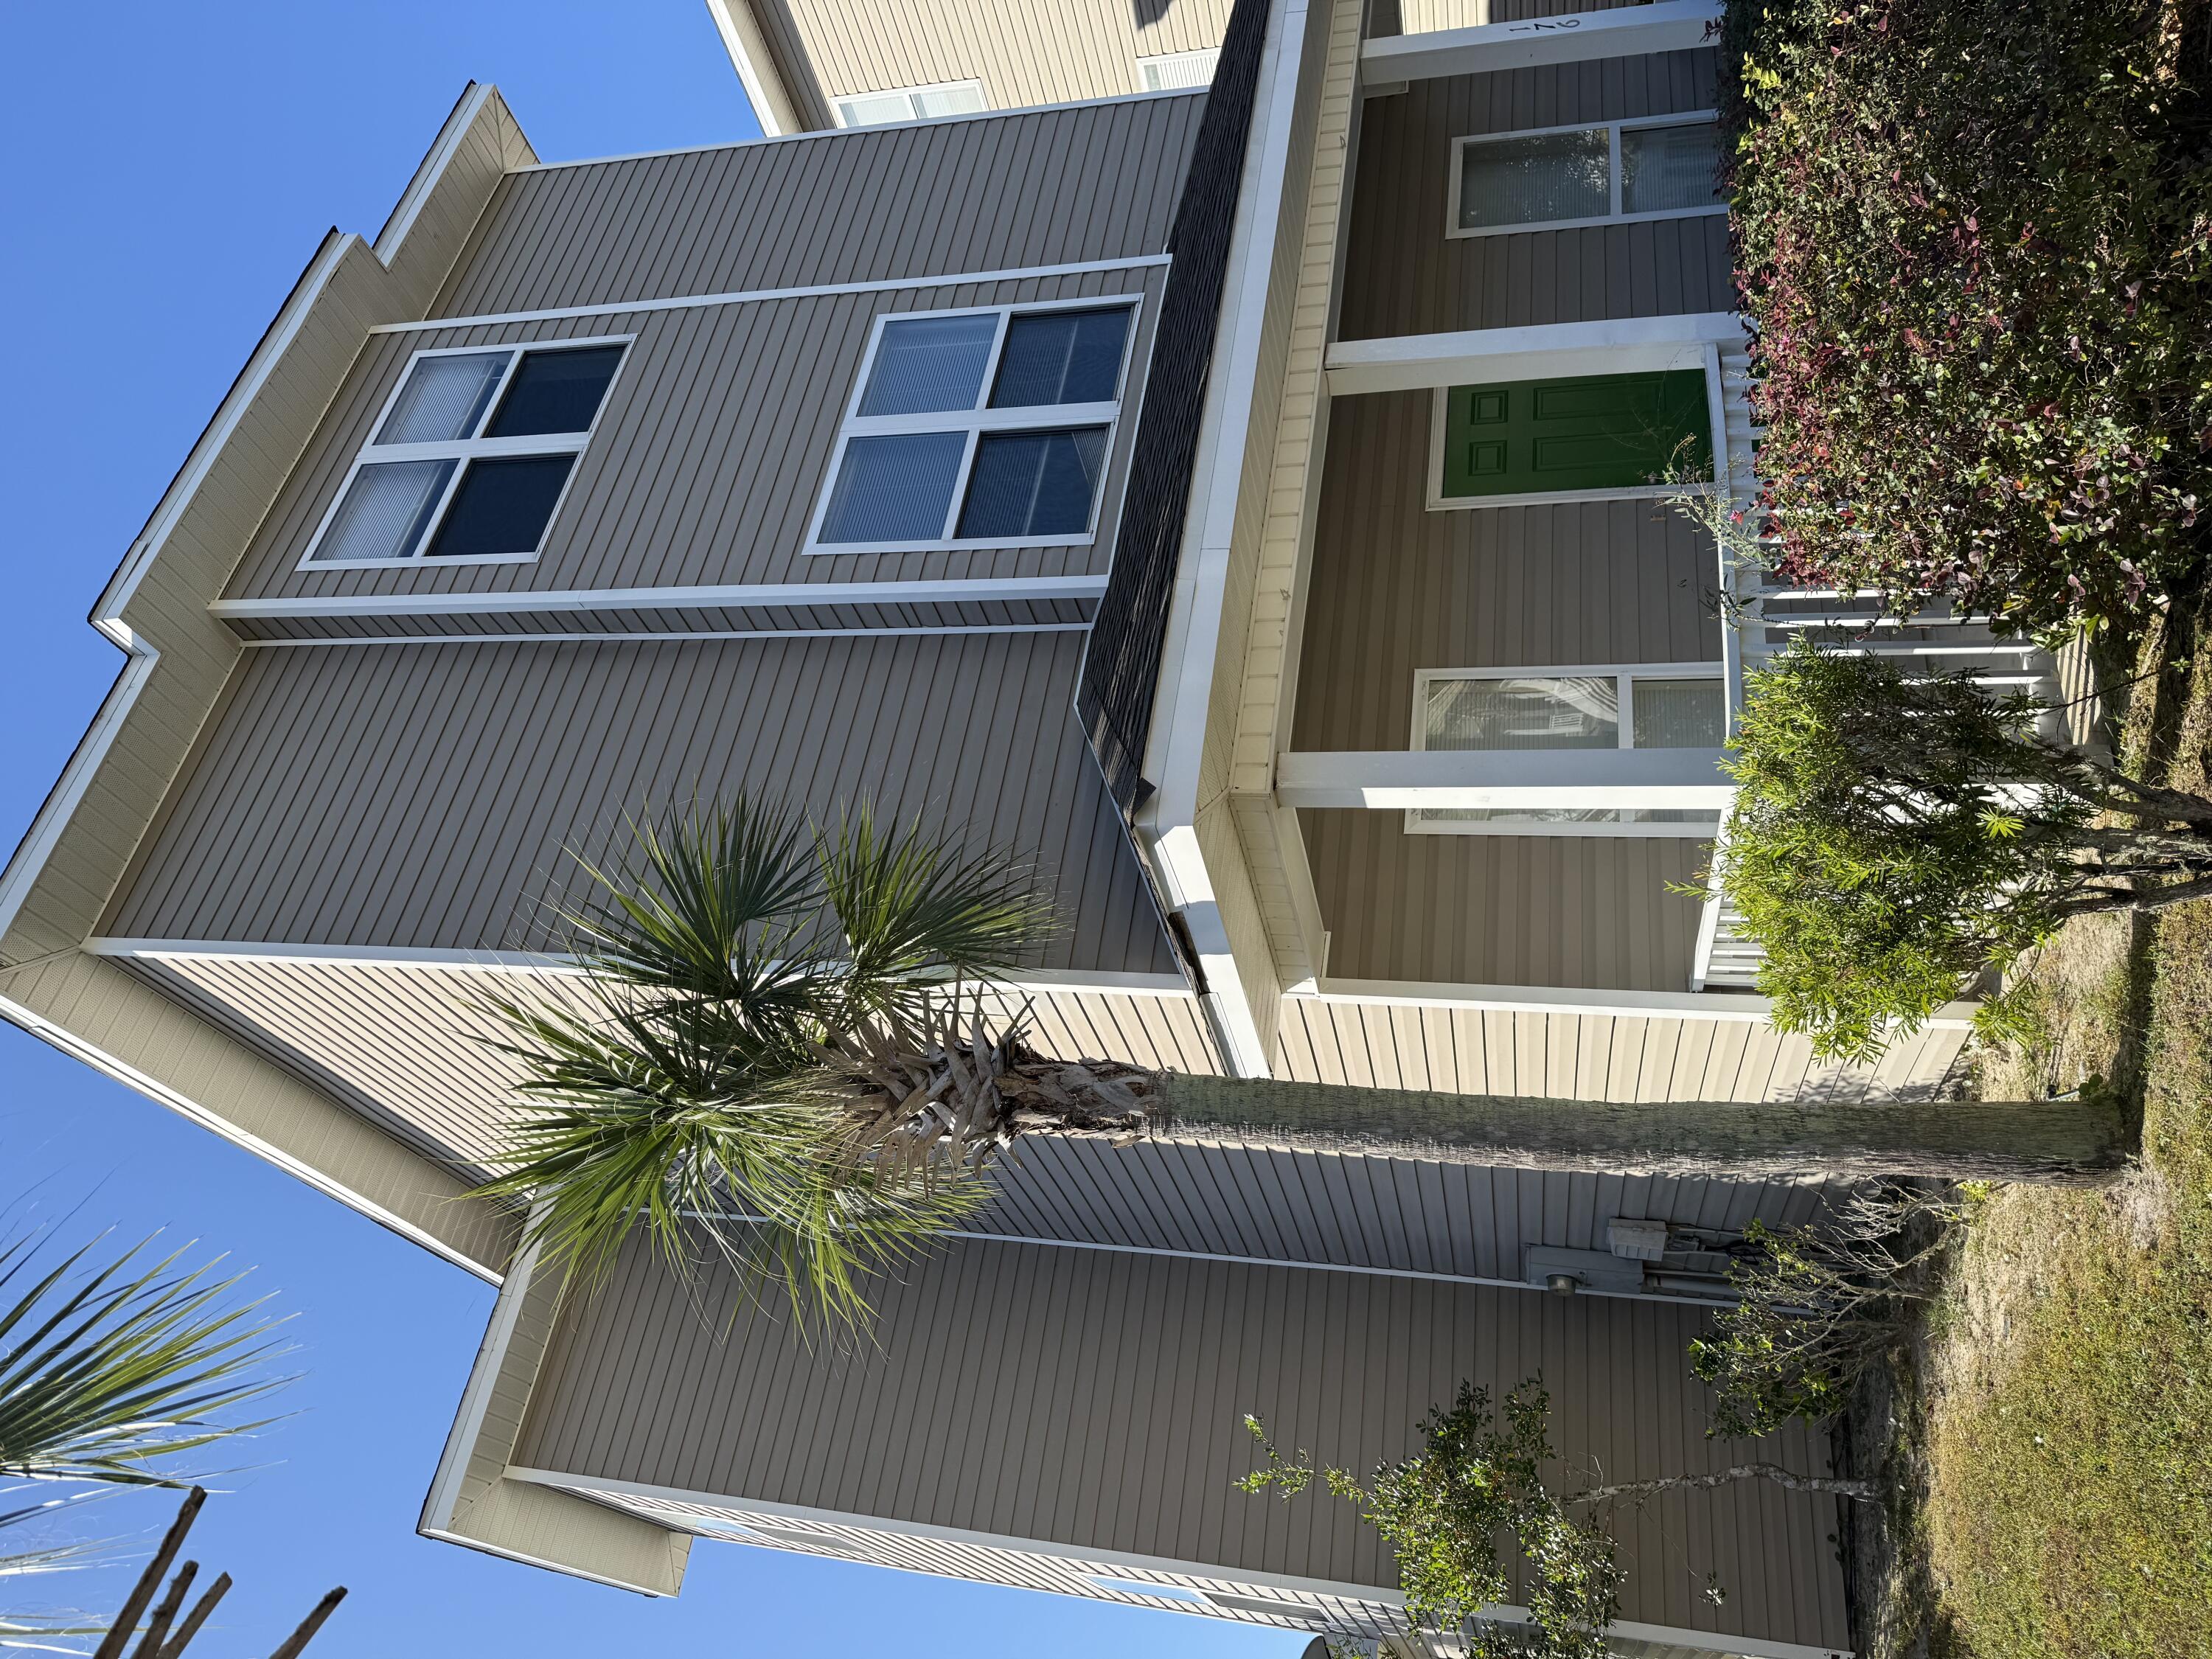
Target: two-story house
{"x":1234,"y":498}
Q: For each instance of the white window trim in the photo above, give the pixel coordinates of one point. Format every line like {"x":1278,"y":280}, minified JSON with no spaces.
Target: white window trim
{"x":1625,"y":675}
{"x":464,"y":449}
{"x":1613,"y":130}
{"x":1161,"y":59}
{"x":974,"y":422}
{"x":1716,"y":441}
{"x":838,"y":100}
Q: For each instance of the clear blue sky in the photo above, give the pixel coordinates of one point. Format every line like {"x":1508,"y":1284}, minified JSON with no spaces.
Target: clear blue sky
{"x":168,"y":171}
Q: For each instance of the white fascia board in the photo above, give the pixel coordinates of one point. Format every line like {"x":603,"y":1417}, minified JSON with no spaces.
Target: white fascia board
{"x":1626,"y":32}
{"x":1084,"y":980}
{"x":1081,"y":1556}
{"x":445,"y":1493}
{"x":1040,"y":588}
{"x":1621,"y":345}
{"x":774,"y":107}
{"x":1665,"y":778}
{"x":1167,"y":823}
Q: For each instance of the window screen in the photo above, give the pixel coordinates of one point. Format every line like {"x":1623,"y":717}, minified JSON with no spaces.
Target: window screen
{"x":1520,"y":181}
{"x":1663,"y":169}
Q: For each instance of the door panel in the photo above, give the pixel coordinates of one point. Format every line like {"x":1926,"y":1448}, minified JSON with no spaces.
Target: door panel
{"x":1594,"y":432}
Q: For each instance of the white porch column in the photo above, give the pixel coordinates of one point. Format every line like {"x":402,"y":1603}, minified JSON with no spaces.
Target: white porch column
{"x":1663,"y":779}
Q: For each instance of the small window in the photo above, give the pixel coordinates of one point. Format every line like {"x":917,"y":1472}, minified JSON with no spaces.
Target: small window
{"x":470,"y":458}
{"x":978,"y":429}
{"x":1170,"y":71}
{"x":1566,"y":176}
{"x":1655,"y":706}
{"x":1544,"y":440}
{"x":875,"y":109}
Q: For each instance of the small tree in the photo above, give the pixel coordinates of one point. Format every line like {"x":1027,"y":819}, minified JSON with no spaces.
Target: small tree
{"x":1894,"y":837}
{"x":1816,"y":1305}
{"x":1479,"y":1480}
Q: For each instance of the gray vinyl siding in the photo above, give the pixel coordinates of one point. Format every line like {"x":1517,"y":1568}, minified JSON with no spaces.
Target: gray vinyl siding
{"x":708,"y":459}
{"x":422,"y":795}
{"x":1099,"y":1398}
{"x":1405,"y":275}
{"x":1592,"y":912}
{"x":1396,"y":587}
{"x":631,"y":620}
{"x":1023,"y":51}
{"x":985,"y":193}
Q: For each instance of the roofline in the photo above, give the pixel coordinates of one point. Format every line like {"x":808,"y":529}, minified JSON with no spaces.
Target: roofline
{"x":778,"y":104}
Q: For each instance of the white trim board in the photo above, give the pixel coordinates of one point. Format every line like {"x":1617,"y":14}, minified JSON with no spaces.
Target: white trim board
{"x":609,"y":637}
{"x":1624,"y":345}
{"x":666,"y":598}
{"x":1680,"y":779}
{"x":755,"y":295}
{"x":1564,"y":999}
{"x":1482,"y":48}
{"x":1369,"y":1594}
{"x":1092,"y":981}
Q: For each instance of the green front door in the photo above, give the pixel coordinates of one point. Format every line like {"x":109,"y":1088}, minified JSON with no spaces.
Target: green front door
{"x":1596,"y":432}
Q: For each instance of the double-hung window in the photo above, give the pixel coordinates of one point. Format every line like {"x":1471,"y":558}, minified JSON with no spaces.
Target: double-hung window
{"x":1665,"y":168}
{"x":875,"y":109}
{"x":1644,"y":706}
{"x":470,"y":458}
{"x":978,"y":429}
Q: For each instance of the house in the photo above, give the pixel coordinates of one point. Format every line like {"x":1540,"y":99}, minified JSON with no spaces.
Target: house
{"x":1235,"y":501}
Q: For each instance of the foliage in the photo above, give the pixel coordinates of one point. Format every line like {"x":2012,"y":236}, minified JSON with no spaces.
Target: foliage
{"x":1893,"y":836}
{"x":1974,"y":240}
{"x":1817,"y":1304}
{"x":1478,"y":1478}
{"x":112,"y":1369}
{"x":2070,"y":1475}
{"x":771,"y":1016}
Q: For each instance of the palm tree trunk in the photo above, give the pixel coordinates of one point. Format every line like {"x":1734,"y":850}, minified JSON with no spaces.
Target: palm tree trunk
{"x":2064,"y":1143}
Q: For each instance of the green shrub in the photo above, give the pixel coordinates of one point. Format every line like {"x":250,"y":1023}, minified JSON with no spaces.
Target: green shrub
{"x":1974,"y":241}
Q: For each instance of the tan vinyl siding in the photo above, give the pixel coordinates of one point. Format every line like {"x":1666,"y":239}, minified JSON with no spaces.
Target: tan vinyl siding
{"x":1100,"y":1398}
{"x":708,"y":459}
{"x":1406,"y":276}
{"x":1023,"y":51}
{"x":1570,"y":1055}
{"x":422,"y":795}
{"x":991,"y":193}
{"x":1588,"y":911}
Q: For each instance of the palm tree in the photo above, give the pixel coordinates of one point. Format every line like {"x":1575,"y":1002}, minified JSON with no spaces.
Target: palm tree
{"x":796,"y":1047}
{"x":111,"y":1370}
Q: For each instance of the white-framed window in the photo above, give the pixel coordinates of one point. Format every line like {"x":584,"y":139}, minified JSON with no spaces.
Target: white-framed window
{"x":982,"y":427}
{"x":1674,"y":705}
{"x":1171,"y":71}
{"x":876,"y":109}
{"x":1664,"y":167}
{"x":470,"y":457}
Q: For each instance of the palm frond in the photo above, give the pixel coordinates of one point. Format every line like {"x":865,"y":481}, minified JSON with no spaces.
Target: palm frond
{"x":109,"y":1370}
{"x":714,"y":901}
{"x":914,"y":910}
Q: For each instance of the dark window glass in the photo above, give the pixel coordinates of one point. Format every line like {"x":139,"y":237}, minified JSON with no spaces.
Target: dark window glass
{"x":502,"y":506}
{"x":1033,"y":483}
{"x":894,"y":489}
{"x":555,"y":392}
{"x":1061,"y":357}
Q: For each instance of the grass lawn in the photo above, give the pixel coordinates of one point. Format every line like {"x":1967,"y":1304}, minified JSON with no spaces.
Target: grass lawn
{"x":2062,"y":1432}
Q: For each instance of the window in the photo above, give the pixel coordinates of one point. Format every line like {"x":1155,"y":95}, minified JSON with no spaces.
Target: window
{"x":977,"y":428}
{"x":1647,"y":706}
{"x":875,"y":109}
{"x":469,"y":460}
{"x":1174,"y":70}
{"x":1542,"y":440}
{"x":1668,"y":168}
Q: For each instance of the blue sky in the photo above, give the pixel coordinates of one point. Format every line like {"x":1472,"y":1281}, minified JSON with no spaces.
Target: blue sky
{"x":170,"y":169}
